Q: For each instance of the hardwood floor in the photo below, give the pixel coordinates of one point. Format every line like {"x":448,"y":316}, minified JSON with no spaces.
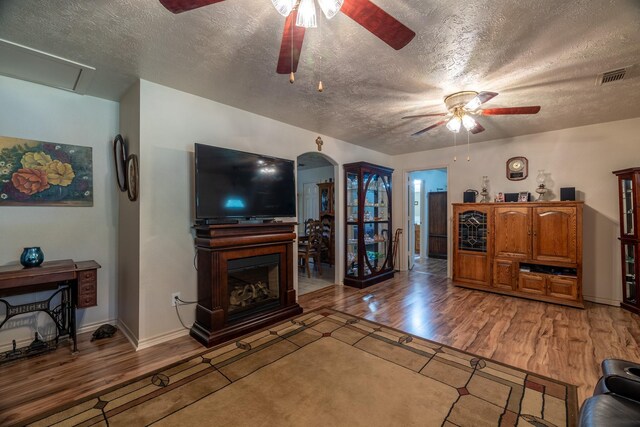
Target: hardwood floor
{"x":560,"y":342}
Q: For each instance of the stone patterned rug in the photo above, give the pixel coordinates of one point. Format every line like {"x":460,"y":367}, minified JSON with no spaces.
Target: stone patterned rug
{"x":330,"y":368}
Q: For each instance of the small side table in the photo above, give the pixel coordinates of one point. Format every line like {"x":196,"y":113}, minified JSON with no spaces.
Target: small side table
{"x":74,"y":282}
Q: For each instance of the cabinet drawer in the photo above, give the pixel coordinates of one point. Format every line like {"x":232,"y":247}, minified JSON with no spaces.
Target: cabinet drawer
{"x":563,"y":287}
{"x":532,"y":283}
{"x":87,"y":289}
{"x":85,"y":301}
{"x":87,"y":276}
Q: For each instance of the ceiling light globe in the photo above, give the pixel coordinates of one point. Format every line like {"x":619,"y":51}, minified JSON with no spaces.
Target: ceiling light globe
{"x":307,"y":14}
{"x":284,"y":7}
{"x":468,"y":122}
{"x":330,"y":7}
{"x":454,"y":124}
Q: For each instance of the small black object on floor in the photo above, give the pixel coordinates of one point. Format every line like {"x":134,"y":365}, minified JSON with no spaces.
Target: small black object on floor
{"x":104,"y":331}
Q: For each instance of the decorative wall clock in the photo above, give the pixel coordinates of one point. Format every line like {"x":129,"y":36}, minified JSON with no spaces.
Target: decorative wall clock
{"x":120,"y":157}
{"x":132,"y":177}
{"x":517,"y":168}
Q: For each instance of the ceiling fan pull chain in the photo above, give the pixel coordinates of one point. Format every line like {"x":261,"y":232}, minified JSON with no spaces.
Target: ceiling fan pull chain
{"x":468,"y":156}
{"x":292,"y":76}
{"x":455,"y":148}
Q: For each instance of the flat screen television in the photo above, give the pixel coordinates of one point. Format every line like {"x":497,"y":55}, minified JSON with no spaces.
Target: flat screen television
{"x":234,"y":184}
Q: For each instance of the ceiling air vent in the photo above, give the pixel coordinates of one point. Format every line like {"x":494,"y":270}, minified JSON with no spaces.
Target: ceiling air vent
{"x":22,"y":62}
{"x":611,"y":76}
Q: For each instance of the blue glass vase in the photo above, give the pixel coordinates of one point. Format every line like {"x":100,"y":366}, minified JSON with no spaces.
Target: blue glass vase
{"x":31,"y":257}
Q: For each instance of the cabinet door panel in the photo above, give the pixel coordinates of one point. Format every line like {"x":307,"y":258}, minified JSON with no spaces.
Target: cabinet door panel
{"x":512,"y":232}
{"x":563,"y":287}
{"x":504,"y":274}
{"x":472,"y":268}
{"x":531,"y":283}
{"x":554,"y":234}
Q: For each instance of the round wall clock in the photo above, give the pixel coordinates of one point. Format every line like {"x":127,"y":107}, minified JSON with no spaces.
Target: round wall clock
{"x":120,"y":158}
{"x":132,"y":177}
{"x":517,"y":168}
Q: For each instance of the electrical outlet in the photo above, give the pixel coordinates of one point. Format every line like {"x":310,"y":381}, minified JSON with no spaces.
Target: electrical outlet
{"x":173,"y":298}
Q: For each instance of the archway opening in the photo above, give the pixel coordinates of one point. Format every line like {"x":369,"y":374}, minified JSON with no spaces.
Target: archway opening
{"x":317,"y":177}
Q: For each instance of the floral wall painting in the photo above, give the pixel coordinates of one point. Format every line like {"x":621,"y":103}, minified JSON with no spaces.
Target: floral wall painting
{"x":35,"y":173}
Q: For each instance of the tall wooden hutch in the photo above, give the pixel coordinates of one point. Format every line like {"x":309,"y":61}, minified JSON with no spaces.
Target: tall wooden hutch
{"x":368,"y":254}
{"x":532,"y":250}
{"x":326,"y":205}
{"x":629,"y":200}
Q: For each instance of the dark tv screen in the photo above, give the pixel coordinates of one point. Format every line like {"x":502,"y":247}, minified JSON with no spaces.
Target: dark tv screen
{"x":235,"y":184}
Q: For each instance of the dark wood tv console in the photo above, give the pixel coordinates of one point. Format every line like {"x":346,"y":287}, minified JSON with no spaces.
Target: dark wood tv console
{"x":245,"y":279}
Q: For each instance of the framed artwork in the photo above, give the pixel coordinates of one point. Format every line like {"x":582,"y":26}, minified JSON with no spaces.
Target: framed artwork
{"x":132,"y":177}
{"x":523,"y":196}
{"x":120,"y":157}
{"x":37,"y":173}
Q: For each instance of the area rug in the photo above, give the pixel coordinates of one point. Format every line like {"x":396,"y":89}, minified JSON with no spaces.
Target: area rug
{"x":328,"y":368}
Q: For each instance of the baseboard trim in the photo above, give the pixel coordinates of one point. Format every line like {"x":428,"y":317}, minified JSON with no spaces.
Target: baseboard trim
{"x":159,"y":339}
{"x":600,"y":300}
{"x":128,"y":334}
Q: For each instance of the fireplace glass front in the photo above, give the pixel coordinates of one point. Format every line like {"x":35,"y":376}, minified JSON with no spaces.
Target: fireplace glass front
{"x":253,"y":285}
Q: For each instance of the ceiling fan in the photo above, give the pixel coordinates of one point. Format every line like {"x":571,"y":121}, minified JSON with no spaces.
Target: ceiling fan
{"x":463,"y":105}
{"x":301,"y":14}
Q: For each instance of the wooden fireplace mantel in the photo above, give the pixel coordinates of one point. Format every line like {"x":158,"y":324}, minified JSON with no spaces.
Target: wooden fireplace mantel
{"x":216,"y":245}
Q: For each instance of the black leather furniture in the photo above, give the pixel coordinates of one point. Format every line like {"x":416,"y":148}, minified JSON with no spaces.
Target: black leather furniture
{"x":616,"y":399}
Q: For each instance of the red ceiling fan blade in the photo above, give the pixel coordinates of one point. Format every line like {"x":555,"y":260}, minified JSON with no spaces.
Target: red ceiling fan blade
{"x":426,"y":115}
{"x":420,"y":132}
{"x":477,"y":129}
{"x":179,"y":6}
{"x":509,"y":111}
{"x":380,"y":23}
{"x":292,"y":35}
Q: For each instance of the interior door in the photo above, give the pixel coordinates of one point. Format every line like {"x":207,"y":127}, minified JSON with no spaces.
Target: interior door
{"x":437,"y":224}
{"x":554,"y":234}
{"x":512,"y":232}
{"x":410,"y":223}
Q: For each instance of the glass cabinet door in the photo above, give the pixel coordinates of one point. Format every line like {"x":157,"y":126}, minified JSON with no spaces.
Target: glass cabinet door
{"x":629,"y":262}
{"x":352,"y":225}
{"x":376,"y":223}
{"x":472,"y":232}
{"x":628,"y":211}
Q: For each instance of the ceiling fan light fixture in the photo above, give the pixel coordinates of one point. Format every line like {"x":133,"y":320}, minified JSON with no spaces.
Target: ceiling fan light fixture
{"x":468,"y":122}
{"x":454,"y":124}
{"x":307,"y":14}
{"x":284,"y":7}
{"x":330,"y":7}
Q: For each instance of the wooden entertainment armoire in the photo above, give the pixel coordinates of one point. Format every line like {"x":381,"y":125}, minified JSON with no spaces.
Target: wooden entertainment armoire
{"x":529,"y":249}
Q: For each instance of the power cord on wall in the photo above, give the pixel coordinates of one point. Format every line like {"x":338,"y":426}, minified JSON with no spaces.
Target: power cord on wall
{"x":180,"y":302}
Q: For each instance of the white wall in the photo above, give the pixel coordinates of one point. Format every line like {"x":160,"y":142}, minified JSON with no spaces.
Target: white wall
{"x":32,"y":111}
{"x":582,"y":157}
{"x":170,"y":123}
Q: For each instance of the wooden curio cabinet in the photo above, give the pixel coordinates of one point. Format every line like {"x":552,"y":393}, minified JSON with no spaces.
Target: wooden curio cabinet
{"x":368,"y":258}
{"x":629,"y":199}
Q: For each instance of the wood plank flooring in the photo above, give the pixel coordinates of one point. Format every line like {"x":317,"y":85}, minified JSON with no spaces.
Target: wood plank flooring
{"x":560,"y":342}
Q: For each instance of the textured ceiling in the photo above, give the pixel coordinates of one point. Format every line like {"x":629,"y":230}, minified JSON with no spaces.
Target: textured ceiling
{"x":546,"y":52}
